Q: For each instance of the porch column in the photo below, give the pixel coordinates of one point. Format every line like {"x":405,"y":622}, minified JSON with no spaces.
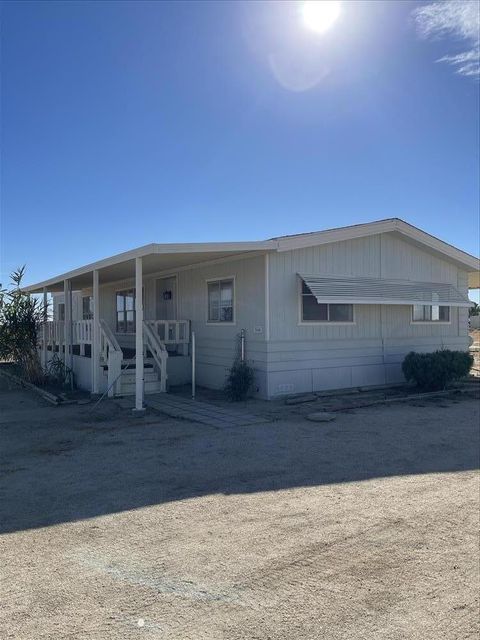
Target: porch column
{"x":139,"y":387}
{"x":96,"y":335}
{"x":45,"y":329}
{"x":68,"y":356}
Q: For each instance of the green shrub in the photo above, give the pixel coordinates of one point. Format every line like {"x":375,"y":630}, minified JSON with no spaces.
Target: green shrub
{"x":239,"y":381}
{"x":434,"y":371}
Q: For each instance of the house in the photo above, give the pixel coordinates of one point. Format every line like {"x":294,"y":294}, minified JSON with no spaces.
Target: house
{"x":323,"y":310}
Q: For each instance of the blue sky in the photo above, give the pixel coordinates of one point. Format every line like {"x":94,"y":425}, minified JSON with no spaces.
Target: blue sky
{"x":127,"y":123}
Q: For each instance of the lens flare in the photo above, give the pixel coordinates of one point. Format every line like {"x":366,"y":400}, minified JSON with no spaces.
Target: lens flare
{"x":320,"y":15}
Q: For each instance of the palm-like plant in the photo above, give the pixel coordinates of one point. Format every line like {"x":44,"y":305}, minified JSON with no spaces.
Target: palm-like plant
{"x":21,"y":315}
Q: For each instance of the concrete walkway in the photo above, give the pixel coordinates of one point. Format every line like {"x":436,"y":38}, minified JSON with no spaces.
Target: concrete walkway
{"x":196,"y":411}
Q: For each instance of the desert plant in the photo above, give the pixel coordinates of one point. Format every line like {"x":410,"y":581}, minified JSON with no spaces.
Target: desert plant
{"x":20,"y":318}
{"x":435,"y":371}
{"x":59,"y":374}
{"x":240,"y":380}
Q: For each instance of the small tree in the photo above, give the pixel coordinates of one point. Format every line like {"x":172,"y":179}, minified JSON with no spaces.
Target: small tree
{"x":20,"y":318}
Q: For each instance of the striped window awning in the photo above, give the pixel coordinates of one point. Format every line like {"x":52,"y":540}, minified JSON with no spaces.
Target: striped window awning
{"x":354,"y":290}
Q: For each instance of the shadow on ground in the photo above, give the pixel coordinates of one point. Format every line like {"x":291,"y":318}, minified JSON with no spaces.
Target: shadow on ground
{"x":58,"y":464}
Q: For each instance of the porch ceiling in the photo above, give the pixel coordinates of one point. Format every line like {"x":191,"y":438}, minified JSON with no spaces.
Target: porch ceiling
{"x":155,"y":259}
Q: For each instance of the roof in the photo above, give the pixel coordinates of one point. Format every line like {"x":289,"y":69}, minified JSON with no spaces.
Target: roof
{"x":174,"y":256}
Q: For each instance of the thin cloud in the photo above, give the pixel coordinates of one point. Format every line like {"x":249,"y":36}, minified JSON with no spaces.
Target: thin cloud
{"x":457,"y":19}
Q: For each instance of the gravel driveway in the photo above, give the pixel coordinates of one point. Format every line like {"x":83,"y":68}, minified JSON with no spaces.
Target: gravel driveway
{"x":119,"y":528}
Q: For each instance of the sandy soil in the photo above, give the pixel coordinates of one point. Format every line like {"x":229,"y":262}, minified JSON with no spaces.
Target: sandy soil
{"x":115,"y":527}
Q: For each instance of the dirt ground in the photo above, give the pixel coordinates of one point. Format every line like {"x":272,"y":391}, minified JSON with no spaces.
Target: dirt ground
{"x":115,"y":527}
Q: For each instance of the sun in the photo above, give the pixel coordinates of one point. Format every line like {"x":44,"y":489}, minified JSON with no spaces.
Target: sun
{"x":319,"y":15}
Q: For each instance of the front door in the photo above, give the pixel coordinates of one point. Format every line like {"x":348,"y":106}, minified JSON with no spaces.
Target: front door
{"x":166,"y":306}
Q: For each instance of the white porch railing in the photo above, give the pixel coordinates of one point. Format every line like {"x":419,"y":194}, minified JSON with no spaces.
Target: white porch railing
{"x":159,"y":352}
{"x":112,"y":355}
{"x":54,"y":331}
{"x":82,"y":332}
{"x":171,"y":332}
{"x":157,"y":335}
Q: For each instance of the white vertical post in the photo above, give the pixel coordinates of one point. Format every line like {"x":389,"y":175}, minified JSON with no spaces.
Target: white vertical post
{"x":96,"y":335}
{"x":139,"y":375}
{"x":193,"y":365}
{"x":45,"y":328}
{"x":267,"y":298}
{"x":67,"y":291}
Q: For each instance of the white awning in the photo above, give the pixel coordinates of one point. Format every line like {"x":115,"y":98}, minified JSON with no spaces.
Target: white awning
{"x":354,"y":290}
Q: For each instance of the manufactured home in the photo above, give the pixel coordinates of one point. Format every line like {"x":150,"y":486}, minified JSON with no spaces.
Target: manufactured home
{"x":330,"y":309}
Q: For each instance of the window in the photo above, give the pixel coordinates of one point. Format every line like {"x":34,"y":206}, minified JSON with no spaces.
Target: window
{"x":61,"y":311}
{"x":126,"y":311}
{"x":220,"y":301}
{"x":313,"y":311}
{"x":430,"y":313}
{"x":87,"y":307}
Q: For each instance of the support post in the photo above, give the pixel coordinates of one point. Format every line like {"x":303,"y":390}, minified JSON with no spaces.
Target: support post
{"x":96,"y":335}
{"x":193,"y":366}
{"x":45,"y":329}
{"x":67,"y":290}
{"x":139,"y":373}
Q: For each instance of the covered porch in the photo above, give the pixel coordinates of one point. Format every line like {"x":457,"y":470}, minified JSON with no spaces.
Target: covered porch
{"x":138,"y":352}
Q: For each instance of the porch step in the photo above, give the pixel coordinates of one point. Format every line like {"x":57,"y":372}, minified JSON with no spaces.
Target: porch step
{"x":127,"y":379}
{"x":130,"y":365}
{"x":128,"y":388}
{"x":149,"y":375}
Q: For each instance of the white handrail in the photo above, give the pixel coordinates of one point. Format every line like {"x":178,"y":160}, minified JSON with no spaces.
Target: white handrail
{"x":111,"y":353}
{"x":158,"y":351}
{"x":108,"y":341}
{"x":171,"y":331}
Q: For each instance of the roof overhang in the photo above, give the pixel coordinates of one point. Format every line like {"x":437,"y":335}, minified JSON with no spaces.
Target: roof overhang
{"x":159,"y":258}
{"x":156,"y":258}
{"x":355,"y":290}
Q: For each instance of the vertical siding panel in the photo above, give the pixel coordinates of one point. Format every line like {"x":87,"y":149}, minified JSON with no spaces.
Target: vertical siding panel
{"x":384,"y":334}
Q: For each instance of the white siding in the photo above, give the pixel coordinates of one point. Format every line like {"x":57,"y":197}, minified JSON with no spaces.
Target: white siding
{"x":215,"y":342}
{"x":313,"y":358}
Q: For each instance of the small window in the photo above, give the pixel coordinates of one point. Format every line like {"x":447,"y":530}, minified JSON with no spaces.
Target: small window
{"x":220,"y":301}
{"x":87,"y":307}
{"x":61,"y":311}
{"x":126,"y":311}
{"x":314,"y":311}
{"x":430,"y":313}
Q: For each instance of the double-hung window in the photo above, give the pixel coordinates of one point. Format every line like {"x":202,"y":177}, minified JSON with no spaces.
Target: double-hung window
{"x":87,"y":307}
{"x":220,"y":300}
{"x":126,"y":311}
{"x":313,"y":311}
{"x":430,"y":313}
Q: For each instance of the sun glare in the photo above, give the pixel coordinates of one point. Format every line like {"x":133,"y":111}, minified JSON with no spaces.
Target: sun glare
{"x":319,"y":15}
